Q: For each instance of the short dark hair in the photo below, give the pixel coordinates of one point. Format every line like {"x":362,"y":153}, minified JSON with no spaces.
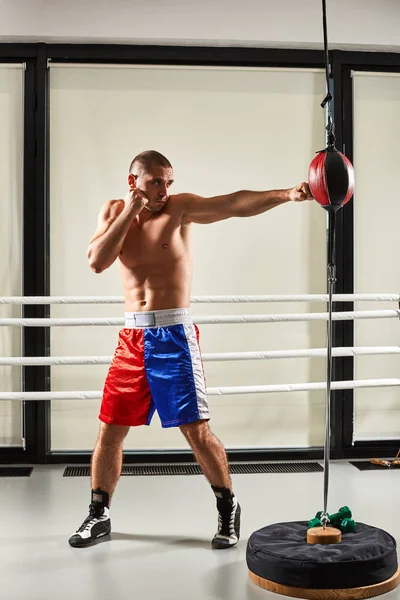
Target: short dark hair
{"x":143,"y":162}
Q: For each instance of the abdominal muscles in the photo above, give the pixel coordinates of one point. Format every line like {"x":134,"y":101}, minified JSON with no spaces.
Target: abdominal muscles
{"x":156,"y":276}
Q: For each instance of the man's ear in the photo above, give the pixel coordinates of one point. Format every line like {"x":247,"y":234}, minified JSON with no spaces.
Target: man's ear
{"x":132,"y":181}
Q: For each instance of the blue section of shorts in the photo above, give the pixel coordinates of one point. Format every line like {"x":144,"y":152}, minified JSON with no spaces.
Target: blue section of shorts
{"x":169,"y":372}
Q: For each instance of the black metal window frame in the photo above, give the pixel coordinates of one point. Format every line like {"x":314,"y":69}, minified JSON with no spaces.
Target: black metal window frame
{"x":36,"y":221}
{"x":33,"y":248}
{"x":344,"y":63}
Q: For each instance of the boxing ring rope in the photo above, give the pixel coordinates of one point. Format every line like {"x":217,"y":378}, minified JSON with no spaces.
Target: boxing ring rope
{"x":24,"y":300}
{"x":45,"y":361}
{"x":207,"y":357}
{"x":215,"y":391}
{"x":212,"y":319}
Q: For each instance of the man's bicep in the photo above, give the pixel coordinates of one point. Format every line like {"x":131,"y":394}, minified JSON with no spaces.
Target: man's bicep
{"x":206,"y":218}
{"x":198,"y":209}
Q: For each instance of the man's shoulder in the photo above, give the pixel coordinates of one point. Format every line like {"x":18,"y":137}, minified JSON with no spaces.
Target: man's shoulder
{"x":118,"y":203}
{"x":177,"y":203}
{"x":179,"y":198}
{"x":114,"y":207}
{"x":181,"y":204}
{"x":183,"y":200}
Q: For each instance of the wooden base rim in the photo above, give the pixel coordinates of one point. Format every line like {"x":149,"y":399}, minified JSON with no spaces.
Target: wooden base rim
{"x":321,"y":535}
{"x":369,"y":591}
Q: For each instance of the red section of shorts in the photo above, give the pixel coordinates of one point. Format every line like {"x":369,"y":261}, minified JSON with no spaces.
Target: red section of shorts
{"x":126,"y":396}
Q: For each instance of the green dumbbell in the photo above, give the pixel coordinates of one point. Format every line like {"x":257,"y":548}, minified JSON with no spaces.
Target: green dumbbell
{"x":317,"y":521}
{"x":348,"y":526}
{"x":314,"y":523}
{"x":336,"y":518}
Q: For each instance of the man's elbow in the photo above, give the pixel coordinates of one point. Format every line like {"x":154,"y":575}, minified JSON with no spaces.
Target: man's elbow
{"x":94,"y":263}
{"x":236,"y":207}
{"x":96,"y":269}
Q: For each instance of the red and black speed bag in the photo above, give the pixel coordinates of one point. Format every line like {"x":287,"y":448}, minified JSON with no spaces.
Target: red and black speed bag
{"x":331,"y":178}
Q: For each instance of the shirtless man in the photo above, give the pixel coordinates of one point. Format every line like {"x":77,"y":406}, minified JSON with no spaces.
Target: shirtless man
{"x":157,"y":363}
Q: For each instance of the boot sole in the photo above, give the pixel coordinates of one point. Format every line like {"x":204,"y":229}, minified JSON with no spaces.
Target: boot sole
{"x":88,"y":541}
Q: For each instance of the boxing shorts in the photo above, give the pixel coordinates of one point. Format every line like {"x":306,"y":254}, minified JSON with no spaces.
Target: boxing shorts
{"x":156,"y":366}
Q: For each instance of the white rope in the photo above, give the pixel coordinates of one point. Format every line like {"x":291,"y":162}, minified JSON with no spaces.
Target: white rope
{"x":303,"y":387}
{"x":216,"y":391}
{"x":43,"y":361}
{"x":47,"y":300}
{"x":212,"y":319}
{"x":61,"y":300}
{"x":207,"y":357}
{"x":61,"y":322}
{"x":310,"y":353}
{"x":297,"y":298}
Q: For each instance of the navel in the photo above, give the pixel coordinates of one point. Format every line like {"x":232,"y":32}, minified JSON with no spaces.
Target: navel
{"x":165,"y":246}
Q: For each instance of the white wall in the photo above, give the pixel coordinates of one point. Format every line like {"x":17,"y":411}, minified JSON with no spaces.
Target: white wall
{"x":376,"y":218}
{"x":355,"y":24}
{"x":224,"y":130}
{"x":11,"y":158}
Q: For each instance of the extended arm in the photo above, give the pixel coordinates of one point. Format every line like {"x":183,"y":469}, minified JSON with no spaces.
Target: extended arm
{"x":243,"y":203}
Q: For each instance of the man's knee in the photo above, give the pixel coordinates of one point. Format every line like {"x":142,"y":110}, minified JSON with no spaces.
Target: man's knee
{"x":197,"y":431}
{"x":112,"y":435}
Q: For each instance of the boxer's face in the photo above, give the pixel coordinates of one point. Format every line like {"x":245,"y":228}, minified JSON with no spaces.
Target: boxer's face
{"x":155,"y":183}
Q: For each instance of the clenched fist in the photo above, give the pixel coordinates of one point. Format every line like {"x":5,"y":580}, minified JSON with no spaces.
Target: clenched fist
{"x":136,"y":198}
{"x":300,"y":193}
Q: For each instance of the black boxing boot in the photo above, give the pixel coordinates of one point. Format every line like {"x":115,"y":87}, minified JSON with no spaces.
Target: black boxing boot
{"x":228,"y":532}
{"x":97,"y":524}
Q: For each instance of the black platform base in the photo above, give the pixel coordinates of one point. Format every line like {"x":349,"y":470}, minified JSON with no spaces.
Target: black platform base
{"x":280,"y":553}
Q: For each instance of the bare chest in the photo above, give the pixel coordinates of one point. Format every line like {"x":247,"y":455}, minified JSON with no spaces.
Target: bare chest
{"x":158,"y":241}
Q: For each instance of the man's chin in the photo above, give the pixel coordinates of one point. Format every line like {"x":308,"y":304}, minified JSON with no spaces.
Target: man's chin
{"x":157,"y":206}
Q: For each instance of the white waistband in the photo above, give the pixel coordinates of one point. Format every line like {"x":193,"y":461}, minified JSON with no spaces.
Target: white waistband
{"x":157,"y":318}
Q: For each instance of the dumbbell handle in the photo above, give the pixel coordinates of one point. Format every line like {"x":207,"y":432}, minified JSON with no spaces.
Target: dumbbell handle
{"x":344,"y":513}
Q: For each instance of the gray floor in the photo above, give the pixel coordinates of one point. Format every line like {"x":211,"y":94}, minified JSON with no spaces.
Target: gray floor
{"x":162,"y":526}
